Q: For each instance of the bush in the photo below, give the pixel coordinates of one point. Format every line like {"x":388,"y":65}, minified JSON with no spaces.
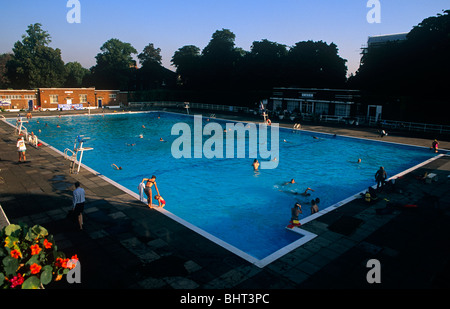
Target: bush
{"x":29,"y":258}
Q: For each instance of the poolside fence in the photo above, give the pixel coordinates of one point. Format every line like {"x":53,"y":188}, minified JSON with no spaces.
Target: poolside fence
{"x":367,"y":121}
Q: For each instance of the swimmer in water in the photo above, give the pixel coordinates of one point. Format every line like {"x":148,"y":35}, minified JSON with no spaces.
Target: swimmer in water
{"x":314,"y":206}
{"x":255,"y":165}
{"x":116,"y":167}
{"x":306,"y":192}
{"x":290,"y":182}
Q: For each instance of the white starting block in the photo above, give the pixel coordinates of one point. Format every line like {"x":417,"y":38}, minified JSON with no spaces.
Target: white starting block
{"x":431,"y":177}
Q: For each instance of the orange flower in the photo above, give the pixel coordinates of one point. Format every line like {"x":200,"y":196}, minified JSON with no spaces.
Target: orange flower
{"x":35,"y":268}
{"x":47,"y":244}
{"x":16,"y":253}
{"x":35,"y":249}
{"x":72,"y":263}
{"x":61,"y":262}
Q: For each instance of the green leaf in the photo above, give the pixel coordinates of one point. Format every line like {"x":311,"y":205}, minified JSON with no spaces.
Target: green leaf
{"x":31,"y":283}
{"x":10,"y":265}
{"x":10,"y":240}
{"x":12,"y":230}
{"x":33,"y":259}
{"x":41,"y":231}
{"x":2,"y":278}
{"x":46,"y":276}
{"x":30,"y":235}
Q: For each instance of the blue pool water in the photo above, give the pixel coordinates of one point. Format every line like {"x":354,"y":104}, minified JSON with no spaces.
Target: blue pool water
{"x":225,"y":197}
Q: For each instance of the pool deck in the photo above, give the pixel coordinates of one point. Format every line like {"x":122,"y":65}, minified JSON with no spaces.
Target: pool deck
{"x":125,"y":245}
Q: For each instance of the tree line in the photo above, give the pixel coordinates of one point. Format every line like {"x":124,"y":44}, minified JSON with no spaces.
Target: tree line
{"x":219,"y":66}
{"x":410,"y":77}
{"x":400,"y":75}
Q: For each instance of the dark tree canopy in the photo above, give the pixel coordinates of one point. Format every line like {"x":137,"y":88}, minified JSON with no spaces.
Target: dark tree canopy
{"x":403,"y":75}
{"x":114,"y":65}
{"x":35,"y":64}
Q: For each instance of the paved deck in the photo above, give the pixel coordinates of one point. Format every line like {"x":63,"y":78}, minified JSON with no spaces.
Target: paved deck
{"x":126,"y":245}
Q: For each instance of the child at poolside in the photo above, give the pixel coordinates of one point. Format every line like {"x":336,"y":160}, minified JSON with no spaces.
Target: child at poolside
{"x":435,"y":146}
{"x":160,"y":200}
{"x":21,"y":149}
{"x":295,"y":212}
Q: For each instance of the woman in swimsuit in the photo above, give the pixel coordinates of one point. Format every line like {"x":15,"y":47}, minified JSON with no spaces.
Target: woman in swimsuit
{"x":148,"y":189}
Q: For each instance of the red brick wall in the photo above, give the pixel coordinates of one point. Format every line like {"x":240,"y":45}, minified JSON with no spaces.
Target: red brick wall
{"x":42,"y":97}
{"x":19,"y":98}
{"x":108,"y":97}
{"x":66,"y":95}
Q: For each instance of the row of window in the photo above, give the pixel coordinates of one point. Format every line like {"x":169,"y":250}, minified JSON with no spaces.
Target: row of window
{"x":53,"y":97}
{"x":18,"y":97}
{"x":314,"y":107}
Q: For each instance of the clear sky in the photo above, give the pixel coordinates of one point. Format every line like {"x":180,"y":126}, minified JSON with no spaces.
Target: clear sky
{"x":171,"y":24}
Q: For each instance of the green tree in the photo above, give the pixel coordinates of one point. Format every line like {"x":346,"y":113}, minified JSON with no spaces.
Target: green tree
{"x":315,"y":64}
{"x":150,"y":55}
{"x":152,"y":75}
{"x":75,"y":74}
{"x":402,"y":75}
{"x":115,"y":66}
{"x":4,"y":58}
{"x":262,"y":67}
{"x":187,"y":62}
{"x":34,"y":64}
{"x":219,"y":59}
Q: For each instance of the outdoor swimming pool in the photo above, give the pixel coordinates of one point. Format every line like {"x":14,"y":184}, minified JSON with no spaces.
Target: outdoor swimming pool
{"x":246,"y":210}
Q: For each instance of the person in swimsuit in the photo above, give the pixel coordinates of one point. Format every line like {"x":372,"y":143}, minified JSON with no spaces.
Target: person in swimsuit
{"x":435,"y":146}
{"x":148,"y":189}
{"x":314,"y":206}
{"x":255,"y":165}
{"x":116,"y":167}
{"x":160,"y":200}
{"x":380,"y":177}
{"x":306,"y":192}
{"x":295,"y":212}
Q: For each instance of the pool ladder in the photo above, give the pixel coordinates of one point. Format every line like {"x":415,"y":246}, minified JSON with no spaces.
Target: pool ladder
{"x":72,"y":155}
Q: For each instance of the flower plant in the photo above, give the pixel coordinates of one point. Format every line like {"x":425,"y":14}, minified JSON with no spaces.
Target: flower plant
{"x":29,"y":258}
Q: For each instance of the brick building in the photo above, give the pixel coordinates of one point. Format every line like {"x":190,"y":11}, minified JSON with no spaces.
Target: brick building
{"x":62,"y":98}
{"x":19,"y":99}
